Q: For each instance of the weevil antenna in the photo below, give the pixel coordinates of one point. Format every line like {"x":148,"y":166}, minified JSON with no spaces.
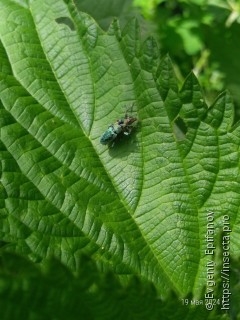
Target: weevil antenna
{"x":129,"y":109}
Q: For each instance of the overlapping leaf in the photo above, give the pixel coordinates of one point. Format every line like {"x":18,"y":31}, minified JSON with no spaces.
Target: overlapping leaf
{"x":52,"y":291}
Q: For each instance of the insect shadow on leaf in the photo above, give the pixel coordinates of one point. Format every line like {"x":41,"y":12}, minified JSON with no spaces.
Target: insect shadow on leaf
{"x":124,"y":145}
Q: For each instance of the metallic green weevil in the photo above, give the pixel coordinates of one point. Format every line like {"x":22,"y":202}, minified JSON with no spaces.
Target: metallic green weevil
{"x":121,"y":126}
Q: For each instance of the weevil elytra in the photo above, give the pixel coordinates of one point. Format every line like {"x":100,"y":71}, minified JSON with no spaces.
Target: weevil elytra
{"x":121,"y":126}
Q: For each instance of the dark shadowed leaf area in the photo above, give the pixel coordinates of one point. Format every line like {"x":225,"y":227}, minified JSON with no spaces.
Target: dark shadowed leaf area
{"x":53,"y":292}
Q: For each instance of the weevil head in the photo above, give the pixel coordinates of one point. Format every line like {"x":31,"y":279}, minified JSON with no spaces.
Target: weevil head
{"x":130,"y":120}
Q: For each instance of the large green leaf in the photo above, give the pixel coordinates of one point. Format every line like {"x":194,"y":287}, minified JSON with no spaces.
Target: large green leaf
{"x":140,"y":207}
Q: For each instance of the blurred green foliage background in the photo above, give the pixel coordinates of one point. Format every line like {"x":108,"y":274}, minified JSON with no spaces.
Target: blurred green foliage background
{"x":199,"y":35}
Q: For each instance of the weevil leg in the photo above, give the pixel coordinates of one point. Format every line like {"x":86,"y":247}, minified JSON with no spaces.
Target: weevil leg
{"x":127,"y":131}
